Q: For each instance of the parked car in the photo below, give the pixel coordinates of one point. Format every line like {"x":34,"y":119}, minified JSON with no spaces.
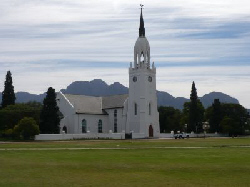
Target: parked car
{"x":181,"y":135}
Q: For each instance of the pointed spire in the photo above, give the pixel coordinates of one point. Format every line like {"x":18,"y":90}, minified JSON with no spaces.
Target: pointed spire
{"x":141,"y":29}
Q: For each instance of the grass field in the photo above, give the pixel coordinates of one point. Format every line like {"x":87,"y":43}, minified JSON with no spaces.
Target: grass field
{"x":211,"y":162}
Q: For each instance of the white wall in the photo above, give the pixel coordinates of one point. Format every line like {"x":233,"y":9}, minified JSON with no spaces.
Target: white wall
{"x":207,"y":135}
{"x":120,"y":119}
{"x":80,"y":136}
{"x":138,"y":135}
{"x":169,"y":135}
{"x":113,"y":136}
{"x":68,"y":112}
{"x":92,"y":123}
{"x":142,"y":92}
{"x":166,"y":135}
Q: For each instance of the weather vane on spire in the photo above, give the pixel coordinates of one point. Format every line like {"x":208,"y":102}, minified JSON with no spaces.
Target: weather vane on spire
{"x":141,"y":6}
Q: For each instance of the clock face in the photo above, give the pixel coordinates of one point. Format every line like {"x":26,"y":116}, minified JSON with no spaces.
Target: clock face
{"x":134,"y":78}
{"x":150,"y":79}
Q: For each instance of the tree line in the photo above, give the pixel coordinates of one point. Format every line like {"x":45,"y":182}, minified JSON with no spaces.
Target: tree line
{"x":25,"y":120}
{"x":226,"y":118}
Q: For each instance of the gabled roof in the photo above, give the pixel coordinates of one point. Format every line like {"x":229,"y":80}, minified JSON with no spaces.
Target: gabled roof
{"x":85,"y":104}
{"x":114,"y":101}
{"x":95,"y":105}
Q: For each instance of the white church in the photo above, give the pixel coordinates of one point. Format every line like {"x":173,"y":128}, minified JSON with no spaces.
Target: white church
{"x":119,"y":116}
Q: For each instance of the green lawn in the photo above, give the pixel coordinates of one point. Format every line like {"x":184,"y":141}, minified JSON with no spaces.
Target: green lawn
{"x":218,"y":164}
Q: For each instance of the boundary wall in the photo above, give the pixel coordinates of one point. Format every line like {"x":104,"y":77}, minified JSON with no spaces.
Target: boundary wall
{"x":80,"y":136}
{"x":117,"y":136}
{"x":193,"y":135}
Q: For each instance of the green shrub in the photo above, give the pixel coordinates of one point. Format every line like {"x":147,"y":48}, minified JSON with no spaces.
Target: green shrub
{"x":26,"y":129}
{"x":8,"y":133}
{"x":12,"y":114}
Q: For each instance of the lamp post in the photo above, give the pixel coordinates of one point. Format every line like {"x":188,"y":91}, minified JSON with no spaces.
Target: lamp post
{"x":245,"y":126}
{"x":205,"y":126}
{"x":186,"y":127}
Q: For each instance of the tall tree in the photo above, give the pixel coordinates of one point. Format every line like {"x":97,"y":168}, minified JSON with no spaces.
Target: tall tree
{"x":196,"y":111}
{"x":216,"y":116}
{"x":227,"y":118}
{"x":193,"y":95}
{"x":8,"y":95}
{"x":49,"y":118}
{"x":238,"y":114}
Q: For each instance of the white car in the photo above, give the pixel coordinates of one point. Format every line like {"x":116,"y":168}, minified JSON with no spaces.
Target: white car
{"x":181,"y":135}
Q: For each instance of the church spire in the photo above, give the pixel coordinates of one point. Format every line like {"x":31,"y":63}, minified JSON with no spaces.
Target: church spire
{"x":141,"y":29}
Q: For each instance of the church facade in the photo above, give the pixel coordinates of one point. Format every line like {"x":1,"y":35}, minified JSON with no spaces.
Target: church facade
{"x":134,"y":115}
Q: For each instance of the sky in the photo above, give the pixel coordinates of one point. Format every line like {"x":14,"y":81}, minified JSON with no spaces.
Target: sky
{"x":55,"y":42}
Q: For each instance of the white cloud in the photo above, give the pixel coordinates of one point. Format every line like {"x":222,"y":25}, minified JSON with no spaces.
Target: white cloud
{"x":52,"y":43}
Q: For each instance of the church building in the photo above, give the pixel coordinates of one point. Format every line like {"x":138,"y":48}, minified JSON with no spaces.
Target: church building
{"x":133,"y":115}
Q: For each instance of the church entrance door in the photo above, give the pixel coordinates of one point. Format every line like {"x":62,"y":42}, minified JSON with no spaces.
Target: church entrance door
{"x":151,"y":131}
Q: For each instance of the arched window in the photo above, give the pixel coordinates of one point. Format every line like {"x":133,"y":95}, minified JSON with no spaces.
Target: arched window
{"x":115,"y":121}
{"x":100,"y":126}
{"x":135,"y":109}
{"x":65,"y":129}
{"x":149,"y":109}
{"x":84,"y":126}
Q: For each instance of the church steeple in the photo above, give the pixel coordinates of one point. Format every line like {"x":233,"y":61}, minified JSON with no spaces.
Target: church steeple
{"x":142,"y":48}
{"x":142,"y":113}
{"x":141,"y":29}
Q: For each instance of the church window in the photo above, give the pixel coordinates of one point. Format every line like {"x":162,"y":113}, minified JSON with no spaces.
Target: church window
{"x":84,"y":126}
{"x":134,"y":78}
{"x":150,"y":79}
{"x":115,"y":121}
{"x":149,"y":109}
{"x":100,"y":126}
{"x":135,"y":109}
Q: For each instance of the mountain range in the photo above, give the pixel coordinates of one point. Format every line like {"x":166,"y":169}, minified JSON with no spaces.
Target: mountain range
{"x":98,"y":87}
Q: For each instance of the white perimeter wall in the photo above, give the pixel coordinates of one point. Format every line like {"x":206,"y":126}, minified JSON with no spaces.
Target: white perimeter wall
{"x":80,"y":136}
{"x":113,"y":136}
{"x":169,"y":135}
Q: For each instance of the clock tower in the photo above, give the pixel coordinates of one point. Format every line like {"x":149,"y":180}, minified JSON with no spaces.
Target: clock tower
{"x":143,"y":116}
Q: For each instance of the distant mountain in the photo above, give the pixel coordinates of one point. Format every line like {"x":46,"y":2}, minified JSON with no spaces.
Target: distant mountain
{"x":207,"y":99}
{"x":165,"y":99}
{"x":23,"y":97}
{"x":98,"y":87}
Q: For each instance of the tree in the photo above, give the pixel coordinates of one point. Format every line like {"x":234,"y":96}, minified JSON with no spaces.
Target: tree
{"x":26,"y":128}
{"x":196,"y":111}
{"x":229,"y":125}
{"x":8,"y":95}
{"x":49,"y":118}
{"x":227,"y":118}
{"x":12,"y":114}
{"x":193,"y":95}
{"x":214,"y":116}
{"x":238,"y":115}
{"x":169,"y":119}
